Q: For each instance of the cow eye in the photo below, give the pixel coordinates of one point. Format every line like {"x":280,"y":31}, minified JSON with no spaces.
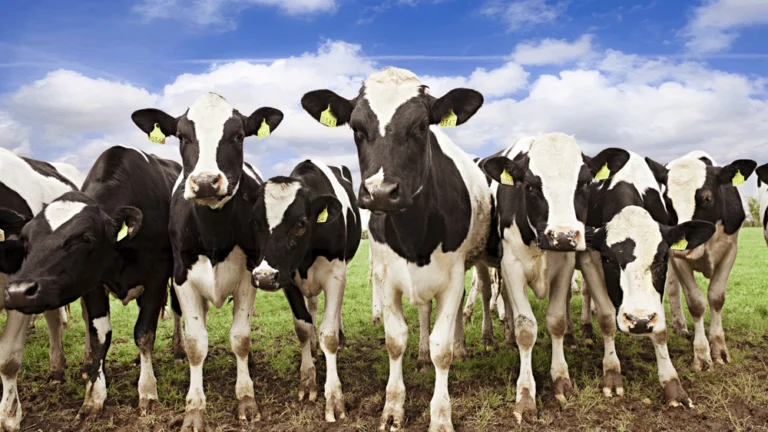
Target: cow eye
{"x":359,"y":135}
{"x":88,"y":239}
{"x":239,"y":137}
{"x":301,"y":227}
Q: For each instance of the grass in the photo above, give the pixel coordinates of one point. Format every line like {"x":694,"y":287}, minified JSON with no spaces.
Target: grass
{"x":731,"y":397}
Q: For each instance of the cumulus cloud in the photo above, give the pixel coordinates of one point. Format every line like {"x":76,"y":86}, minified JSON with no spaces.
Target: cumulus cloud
{"x":715,"y":23}
{"x":552,"y":51}
{"x":521,"y":14}
{"x":221,"y":13}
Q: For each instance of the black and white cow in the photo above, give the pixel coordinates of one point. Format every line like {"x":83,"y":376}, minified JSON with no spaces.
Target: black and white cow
{"x":698,"y":189}
{"x":542,"y":210}
{"x":762,"y":196}
{"x":431,"y":212}
{"x":213,"y":235}
{"x":626,"y":271}
{"x":113,"y":235}
{"x":314,"y":232}
{"x":26,"y":186}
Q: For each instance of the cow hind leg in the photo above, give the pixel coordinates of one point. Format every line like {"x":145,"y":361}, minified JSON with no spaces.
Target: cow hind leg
{"x":240,"y":339}
{"x":308,"y":383}
{"x":702,"y":358}
{"x":55,"y":321}
{"x":474,"y":289}
{"x":459,"y":339}
{"x":587,"y":332}
{"x":312,"y":305}
{"x":87,"y":344}
{"x":177,"y":342}
{"x":716,"y":297}
{"x":11,"y":353}
{"x":334,"y":287}
{"x":425,"y":313}
{"x":194,"y":310}
{"x":100,"y":334}
{"x":673,"y":290}
{"x":152,"y":305}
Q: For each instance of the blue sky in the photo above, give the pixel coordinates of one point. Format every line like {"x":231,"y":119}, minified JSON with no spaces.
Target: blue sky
{"x":658,"y":77}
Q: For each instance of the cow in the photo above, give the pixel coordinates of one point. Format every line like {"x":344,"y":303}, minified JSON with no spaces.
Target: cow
{"x":26,"y":186}
{"x":213,"y":235}
{"x":314,"y":232}
{"x":430,"y":209}
{"x":625,"y":269}
{"x":496,"y":303}
{"x":542,"y":209}
{"x":110,"y":237}
{"x":696,"y":188}
{"x":762,"y":195}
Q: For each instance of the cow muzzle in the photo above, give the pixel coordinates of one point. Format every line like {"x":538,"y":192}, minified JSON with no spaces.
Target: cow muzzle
{"x":563,"y":239}
{"x":26,"y":297}
{"x":205,"y":186}
{"x":638,"y":324}
{"x":266,"y":278}
{"x":384,"y":197}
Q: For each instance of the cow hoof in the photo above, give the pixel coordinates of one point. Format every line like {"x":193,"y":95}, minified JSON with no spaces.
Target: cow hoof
{"x":569,"y":340}
{"x":147,"y":406}
{"x":525,"y":409}
{"x":489,"y":345}
{"x":459,"y":353}
{"x":423,"y":363}
{"x":88,"y":410}
{"x":588,"y":334}
{"x":392,"y":418}
{"x":676,"y":396}
{"x":193,"y":421}
{"x":720,"y":353}
{"x":612,"y":381}
{"x":334,"y":405}
{"x":248,"y":410}
{"x":682,"y":331}
{"x":441,"y":425}
{"x":56,"y":377}
{"x":702,"y":362}
{"x":179,"y":353}
{"x":308,"y":385}
{"x":564,"y":391}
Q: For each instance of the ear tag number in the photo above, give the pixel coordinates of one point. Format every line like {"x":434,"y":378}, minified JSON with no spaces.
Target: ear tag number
{"x":680,"y":245}
{"x":157,"y":136}
{"x":449,"y":121}
{"x":263,"y":130}
{"x":506,"y":178}
{"x":327,"y":118}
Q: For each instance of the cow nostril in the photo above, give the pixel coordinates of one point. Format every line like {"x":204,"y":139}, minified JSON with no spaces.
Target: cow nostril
{"x":217,"y":182}
{"x":31,"y":290}
{"x":651,"y":317}
{"x":630,"y":318}
{"x":394,"y":192}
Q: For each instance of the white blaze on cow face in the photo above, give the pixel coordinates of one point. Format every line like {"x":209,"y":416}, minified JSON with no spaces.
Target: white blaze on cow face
{"x":686,"y":175}
{"x":387,"y":90}
{"x":376,"y":179}
{"x":60,"y":212}
{"x":641,"y":307}
{"x":277,"y":198}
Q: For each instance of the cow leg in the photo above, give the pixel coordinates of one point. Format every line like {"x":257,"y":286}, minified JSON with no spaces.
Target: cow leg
{"x":334,"y":286}
{"x":509,"y":319}
{"x":459,"y":342}
{"x":702,"y":359}
{"x":587,"y":331}
{"x":396,"y":331}
{"x":568,"y":338}
{"x":240,"y":340}
{"x":55,"y":321}
{"x":376,"y":302}
{"x":668,"y":378}
{"x":65,"y":313}
{"x":178,"y":330}
{"x":474,"y":289}
{"x":308,"y":383}
{"x":716,"y":295}
{"x":494,"y":292}
{"x":100,"y":333}
{"x":342,"y":338}
{"x":152,"y":304}
{"x":441,"y":349}
{"x":525,"y":328}
{"x":87,"y":345}
{"x":11,"y":353}
{"x":194,"y":310}
{"x":556,"y":323}
{"x":425,"y":314}
{"x":312,"y":305}
{"x":484,"y":285}
{"x":673,"y":290}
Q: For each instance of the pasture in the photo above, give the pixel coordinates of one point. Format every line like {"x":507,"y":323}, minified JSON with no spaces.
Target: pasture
{"x":730,"y":397}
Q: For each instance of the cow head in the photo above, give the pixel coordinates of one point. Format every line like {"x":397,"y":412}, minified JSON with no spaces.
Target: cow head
{"x":554,"y":177}
{"x":634,"y":250}
{"x":390,"y":119}
{"x":211,"y":135}
{"x":11,"y":247}
{"x":292,"y":214}
{"x":69,"y":247}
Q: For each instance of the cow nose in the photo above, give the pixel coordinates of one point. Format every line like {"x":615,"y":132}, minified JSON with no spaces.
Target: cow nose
{"x":265,"y":279}
{"x":206,"y":185}
{"x":384,"y":197}
{"x":563,"y":239}
{"x":640,"y":325}
{"x":19,"y":294}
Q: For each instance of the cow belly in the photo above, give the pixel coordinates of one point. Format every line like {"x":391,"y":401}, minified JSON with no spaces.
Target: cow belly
{"x":318,"y":274}
{"x":705,"y":258}
{"x":216,"y":283}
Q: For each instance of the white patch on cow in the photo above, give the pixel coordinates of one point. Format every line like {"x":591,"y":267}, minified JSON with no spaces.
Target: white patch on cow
{"x":102,"y":326}
{"x":637,"y":173}
{"x":277,"y":198}
{"x":59,"y":212}
{"x":686,"y":175}
{"x":636,"y":281}
{"x":264,"y":268}
{"x":36,"y":189}
{"x":387,"y":90}
{"x":252,"y":173}
{"x":96,"y":392}
{"x":217,"y":283}
{"x":209,"y":113}
{"x":342,"y":176}
{"x":376,"y":179}
{"x":338,"y":189}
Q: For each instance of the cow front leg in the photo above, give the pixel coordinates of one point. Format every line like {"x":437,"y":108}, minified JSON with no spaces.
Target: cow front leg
{"x":557,"y":325}
{"x":459,"y":341}
{"x":333,"y":288}
{"x":673,"y":290}
{"x":194,"y":311}
{"x":152,"y":304}
{"x":702,"y":359}
{"x":87,"y":345}
{"x":396,"y":331}
{"x":474,"y":290}
{"x":312,"y":305}
{"x":11,"y":353}
{"x":484,"y":286}
{"x":587,"y":332}
{"x":668,"y":378}
{"x":100,"y":334}
{"x":425,"y":314}
{"x":55,"y":321}
{"x":716,"y":296}
{"x":240,"y":340}
{"x":308,"y":383}
{"x":178,"y":330}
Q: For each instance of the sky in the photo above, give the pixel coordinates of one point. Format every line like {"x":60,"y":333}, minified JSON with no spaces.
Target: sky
{"x":660,"y":78}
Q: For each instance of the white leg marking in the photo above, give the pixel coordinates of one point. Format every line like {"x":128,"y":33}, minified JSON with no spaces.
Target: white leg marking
{"x":11,"y":352}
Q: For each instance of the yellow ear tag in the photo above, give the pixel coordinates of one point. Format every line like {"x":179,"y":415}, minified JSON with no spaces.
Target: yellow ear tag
{"x":327,"y":118}
{"x":323,"y":216}
{"x":2,"y":236}
{"x":680,"y":245}
{"x":263,"y":130}
{"x":738,"y":179}
{"x":506,"y":178}
{"x":604,"y":173}
{"x":157,"y":136}
{"x":449,"y":120}
{"x":123,"y":233}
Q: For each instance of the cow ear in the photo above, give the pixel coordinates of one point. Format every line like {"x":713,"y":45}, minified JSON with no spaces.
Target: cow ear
{"x":263,"y":122}
{"x":327,"y":107}
{"x":155,"y":123}
{"x":762,"y":174}
{"x":659,"y":171}
{"x":687,"y":235}
{"x":595,"y":238}
{"x":127,"y":222}
{"x":607,"y":163}
{"x":456,"y":107}
{"x":325,"y":209}
{"x":12,"y":221}
{"x":503,"y":170}
{"x":737,"y":172}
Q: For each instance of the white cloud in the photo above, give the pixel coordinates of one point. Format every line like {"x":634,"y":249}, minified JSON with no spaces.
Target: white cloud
{"x":521,"y":14}
{"x":503,"y":81}
{"x":714,"y":25}
{"x":221,"y":13}
{"x":552,"y":51}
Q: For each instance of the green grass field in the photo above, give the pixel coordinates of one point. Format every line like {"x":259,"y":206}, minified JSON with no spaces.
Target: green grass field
{"x":730,"y":397}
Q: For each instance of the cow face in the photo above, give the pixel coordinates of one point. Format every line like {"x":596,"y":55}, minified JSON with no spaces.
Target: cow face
{"x":634,"y":250}
{"x":555,"y":179}
{"x":11,"y":248}
{"x":211,"y":135}
{"x":292,"y":214}
{"x":391,"y":119}
{"x":69,"y":247}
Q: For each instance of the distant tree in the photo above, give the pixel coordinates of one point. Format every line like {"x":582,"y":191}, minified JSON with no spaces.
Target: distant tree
{"x":754,"y":211}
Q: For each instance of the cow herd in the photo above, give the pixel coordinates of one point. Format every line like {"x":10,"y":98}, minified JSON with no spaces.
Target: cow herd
{"x":139,"y":227}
